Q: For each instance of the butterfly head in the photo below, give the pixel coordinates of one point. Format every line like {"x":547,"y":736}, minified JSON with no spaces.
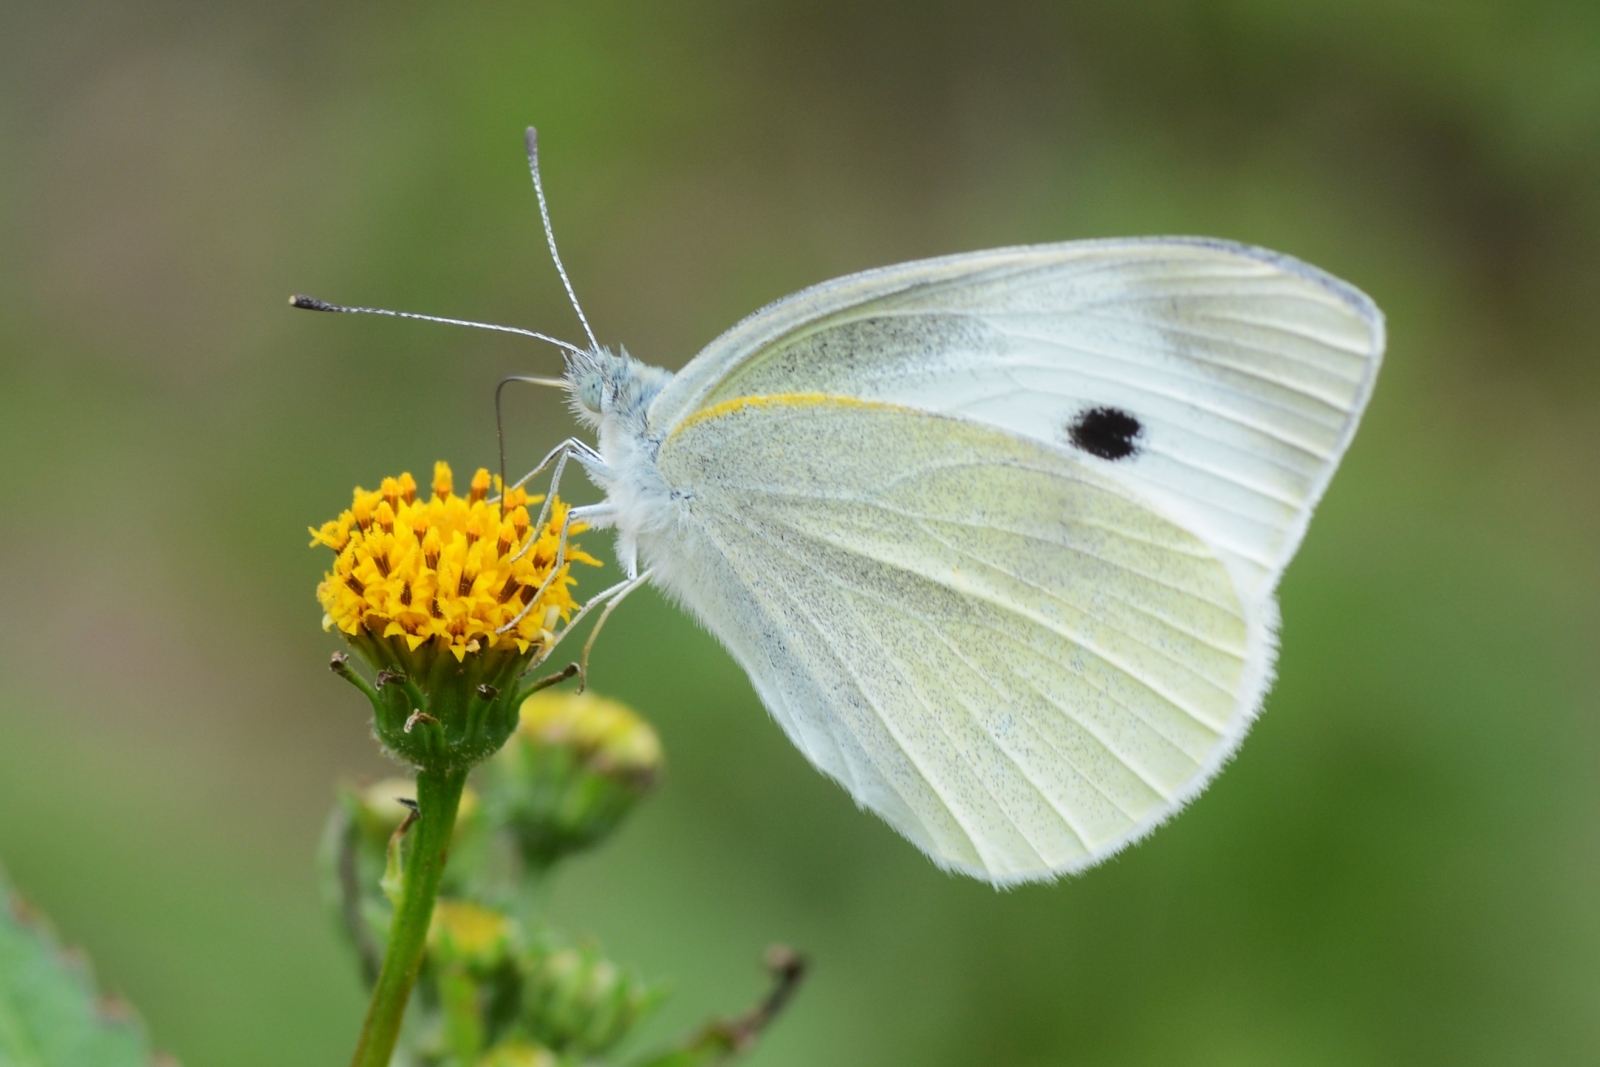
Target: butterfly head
{"x":607,"y":385}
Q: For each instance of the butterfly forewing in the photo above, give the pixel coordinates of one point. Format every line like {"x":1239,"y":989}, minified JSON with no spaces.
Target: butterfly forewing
{"x":1219,"y":383}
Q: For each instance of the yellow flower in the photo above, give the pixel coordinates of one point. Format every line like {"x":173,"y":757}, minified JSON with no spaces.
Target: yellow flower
{"x":447,"y":569}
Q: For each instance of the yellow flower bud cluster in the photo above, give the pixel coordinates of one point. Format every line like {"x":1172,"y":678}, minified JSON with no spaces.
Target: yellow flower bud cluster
{"x":450,"y":569}
{"x":470,"y":934}
{"x":606,"y":735}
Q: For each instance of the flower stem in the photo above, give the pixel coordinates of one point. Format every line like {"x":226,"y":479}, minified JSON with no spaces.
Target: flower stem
{"x":438,"y":797}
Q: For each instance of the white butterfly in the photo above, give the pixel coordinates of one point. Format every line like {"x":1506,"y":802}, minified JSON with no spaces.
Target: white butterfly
{"x":995,"y":535}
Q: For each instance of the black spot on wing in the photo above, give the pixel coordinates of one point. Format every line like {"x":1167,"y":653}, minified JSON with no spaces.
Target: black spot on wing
{"x":1109,"y":433}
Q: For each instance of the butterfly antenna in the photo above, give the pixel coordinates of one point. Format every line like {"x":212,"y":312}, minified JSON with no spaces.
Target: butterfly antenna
{"x":550,"y":235}
{"x":311,"y":303}
{"x":500,"y":426}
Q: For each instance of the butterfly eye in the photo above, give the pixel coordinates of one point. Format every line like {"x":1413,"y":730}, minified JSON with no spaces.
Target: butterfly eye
{"x":589,"y":392}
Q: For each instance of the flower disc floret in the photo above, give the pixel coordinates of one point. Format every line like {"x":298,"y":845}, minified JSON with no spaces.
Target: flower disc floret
{"x":461,"y":572}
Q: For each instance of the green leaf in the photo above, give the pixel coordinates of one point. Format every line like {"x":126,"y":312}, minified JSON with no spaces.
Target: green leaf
{"x":50,"y":1013}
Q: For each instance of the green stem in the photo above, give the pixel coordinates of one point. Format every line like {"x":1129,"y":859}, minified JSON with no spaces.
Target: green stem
{"x":438,"y":797}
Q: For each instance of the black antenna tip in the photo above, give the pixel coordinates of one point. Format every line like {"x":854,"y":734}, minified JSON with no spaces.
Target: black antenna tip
{"x":311,"y":303}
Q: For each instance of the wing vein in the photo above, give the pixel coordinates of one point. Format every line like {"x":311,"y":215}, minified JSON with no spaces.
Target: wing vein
{"x":935,"y":718}
{"x":845,"y":664}
{"x":1033,"y":651}
{"x":1057,"y":751}
{"x":968,"y":554}
{"x":1194,"y":334}
{"x":905,"y":513}
{"x":1062,"y":708}
{"x":1077,"y":641}
{"x":1192,"y":401}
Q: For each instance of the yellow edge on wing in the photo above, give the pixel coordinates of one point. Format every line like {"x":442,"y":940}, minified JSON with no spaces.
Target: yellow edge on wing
{"x":783,"y":400}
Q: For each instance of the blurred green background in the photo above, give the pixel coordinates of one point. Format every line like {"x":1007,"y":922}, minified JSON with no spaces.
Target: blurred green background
{"x":1401,"y":867}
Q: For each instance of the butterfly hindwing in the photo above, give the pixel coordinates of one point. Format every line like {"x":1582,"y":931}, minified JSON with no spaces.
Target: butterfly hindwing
{"x":999,"y":649}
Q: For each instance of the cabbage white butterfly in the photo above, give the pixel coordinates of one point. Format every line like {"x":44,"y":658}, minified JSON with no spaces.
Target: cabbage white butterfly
{"x":995,"y":535}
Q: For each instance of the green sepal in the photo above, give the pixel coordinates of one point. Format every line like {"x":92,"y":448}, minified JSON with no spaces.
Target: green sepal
{"x":436,"y":712}
{"x":393,"y":881}
{"x":571,"y":670}
{"x":340,"y":665}
{"x":50,"y":1012}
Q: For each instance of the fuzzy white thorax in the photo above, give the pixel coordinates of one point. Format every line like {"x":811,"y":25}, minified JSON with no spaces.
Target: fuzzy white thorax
{"x":611,"y":392}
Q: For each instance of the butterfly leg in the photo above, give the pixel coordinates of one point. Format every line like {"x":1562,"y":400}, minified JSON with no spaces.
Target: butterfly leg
{"x":568,"y":449}
{"x":621,"y":592}
{"x":593,"y":514}
{"x":617,"y":592}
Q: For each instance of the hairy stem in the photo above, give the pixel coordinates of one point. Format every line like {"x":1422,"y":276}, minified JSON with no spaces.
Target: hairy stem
{"x":438,"y":797}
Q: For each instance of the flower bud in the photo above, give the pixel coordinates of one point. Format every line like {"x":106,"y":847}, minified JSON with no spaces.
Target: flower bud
{"x":575,"y":767}
{"x":471,"y":970}
{"x":518,"y":1054}
{"x":578,"y":1003}
{"x":469,"y":935}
